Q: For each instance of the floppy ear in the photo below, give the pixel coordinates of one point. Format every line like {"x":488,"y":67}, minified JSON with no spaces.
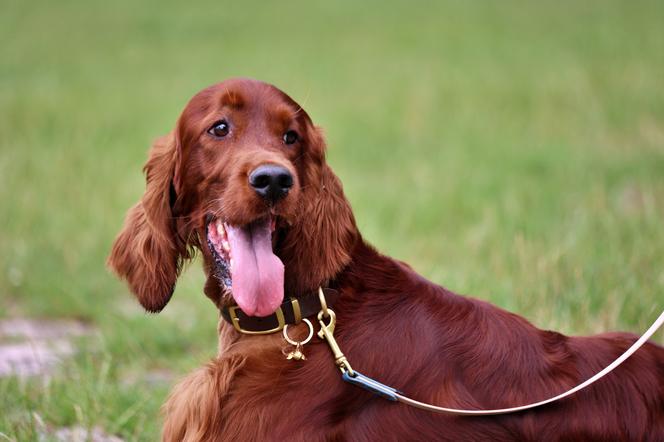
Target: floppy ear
{"x":146,"y":253}
{"x":319,"y":245}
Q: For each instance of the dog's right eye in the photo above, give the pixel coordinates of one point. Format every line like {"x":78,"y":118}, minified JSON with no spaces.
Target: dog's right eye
{"x":219,"y":129}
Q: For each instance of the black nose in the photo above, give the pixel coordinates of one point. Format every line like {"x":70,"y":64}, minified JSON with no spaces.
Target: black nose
{"x":270,"y":181}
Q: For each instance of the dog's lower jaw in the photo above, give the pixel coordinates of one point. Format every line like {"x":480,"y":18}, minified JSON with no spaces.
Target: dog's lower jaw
{"x":245,"y":264}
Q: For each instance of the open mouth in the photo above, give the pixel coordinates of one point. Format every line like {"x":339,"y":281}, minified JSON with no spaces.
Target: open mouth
{"x":246,"y":265}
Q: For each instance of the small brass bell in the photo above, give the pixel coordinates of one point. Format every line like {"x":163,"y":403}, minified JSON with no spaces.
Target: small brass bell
{"x":297,"y":354}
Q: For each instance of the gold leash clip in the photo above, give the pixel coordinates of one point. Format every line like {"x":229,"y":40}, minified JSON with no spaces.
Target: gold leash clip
{"x":323,"y":303}
{"x":327,"y":332}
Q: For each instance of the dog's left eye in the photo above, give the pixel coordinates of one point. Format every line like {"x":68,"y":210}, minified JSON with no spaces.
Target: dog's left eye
{"x":219,"y":129}
{"x":290,"y":137}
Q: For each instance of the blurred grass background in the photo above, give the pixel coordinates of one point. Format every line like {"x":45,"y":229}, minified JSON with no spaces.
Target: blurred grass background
{"x":509,"y":150}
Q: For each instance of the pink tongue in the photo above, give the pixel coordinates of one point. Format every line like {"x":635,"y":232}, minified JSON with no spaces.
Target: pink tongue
{"x":257,"y":273}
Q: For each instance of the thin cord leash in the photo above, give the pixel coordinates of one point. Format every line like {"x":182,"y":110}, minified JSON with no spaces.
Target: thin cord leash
{"x":642,"y":340}
{"x":356,"y":378}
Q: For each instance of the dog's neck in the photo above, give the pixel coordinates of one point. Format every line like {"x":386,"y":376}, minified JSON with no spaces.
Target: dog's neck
{"x":370,"y":271}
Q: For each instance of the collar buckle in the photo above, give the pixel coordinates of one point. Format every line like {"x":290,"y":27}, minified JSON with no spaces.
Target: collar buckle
{"x":235,"y":320}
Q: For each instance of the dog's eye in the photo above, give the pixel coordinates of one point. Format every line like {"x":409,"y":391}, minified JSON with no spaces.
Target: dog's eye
{"x":290,"y":137}
{"x":219,"y":129}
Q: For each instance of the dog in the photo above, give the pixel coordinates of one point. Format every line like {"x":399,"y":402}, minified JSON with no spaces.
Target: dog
{"x":243,"y":180}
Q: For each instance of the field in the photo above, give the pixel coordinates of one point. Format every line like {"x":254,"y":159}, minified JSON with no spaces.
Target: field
{"x":513,"y":151}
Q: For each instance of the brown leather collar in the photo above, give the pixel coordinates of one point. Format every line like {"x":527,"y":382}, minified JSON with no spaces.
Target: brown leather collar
{"x":290,"y":311}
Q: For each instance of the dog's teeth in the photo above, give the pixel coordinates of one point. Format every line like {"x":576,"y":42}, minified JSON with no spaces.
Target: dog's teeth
{"x":231,"y":262}
{"x":225,"y":245}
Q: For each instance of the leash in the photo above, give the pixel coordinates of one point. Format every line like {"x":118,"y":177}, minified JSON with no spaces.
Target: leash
{"x":356,"y":378}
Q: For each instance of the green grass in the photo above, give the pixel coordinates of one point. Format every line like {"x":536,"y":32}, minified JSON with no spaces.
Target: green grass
{"x":509,"y":150}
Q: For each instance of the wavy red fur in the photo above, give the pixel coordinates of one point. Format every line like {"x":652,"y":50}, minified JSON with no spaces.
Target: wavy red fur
{"x":393,"y":324}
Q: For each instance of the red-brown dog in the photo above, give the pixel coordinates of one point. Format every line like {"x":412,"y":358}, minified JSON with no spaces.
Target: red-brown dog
{"x":243,"y":179}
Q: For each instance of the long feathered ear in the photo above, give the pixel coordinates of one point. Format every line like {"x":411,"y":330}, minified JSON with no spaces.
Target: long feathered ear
{"x":146,"y":252}
{"x":319,"y":244}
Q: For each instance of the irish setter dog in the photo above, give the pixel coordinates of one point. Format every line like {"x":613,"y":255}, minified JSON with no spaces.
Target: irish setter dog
{"x":243,"y":179}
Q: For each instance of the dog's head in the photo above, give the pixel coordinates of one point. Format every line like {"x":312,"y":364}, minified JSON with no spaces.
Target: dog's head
{"x":242,"y":178}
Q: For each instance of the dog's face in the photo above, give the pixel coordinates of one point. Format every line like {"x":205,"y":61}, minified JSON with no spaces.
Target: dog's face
{"x":243,"y":178}
{"x":244,"y":146}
